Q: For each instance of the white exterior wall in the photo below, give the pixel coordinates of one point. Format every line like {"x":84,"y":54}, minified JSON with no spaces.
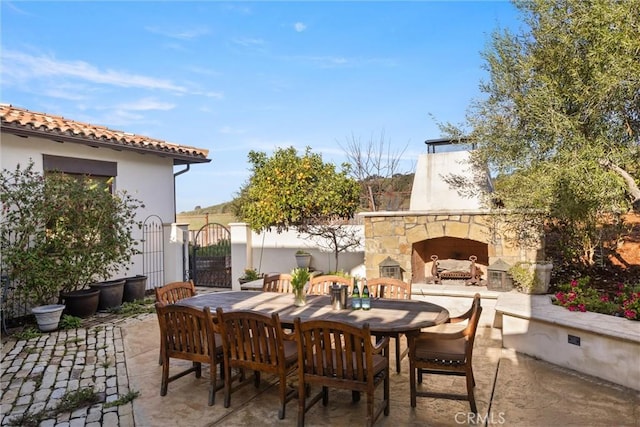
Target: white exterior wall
{"x":430,"y":192}
{"x":271,"y":252}
{"x":148,"y":178}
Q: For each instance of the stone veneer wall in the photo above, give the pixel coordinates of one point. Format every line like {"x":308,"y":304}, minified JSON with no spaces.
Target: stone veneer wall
{"x":392,"y":234}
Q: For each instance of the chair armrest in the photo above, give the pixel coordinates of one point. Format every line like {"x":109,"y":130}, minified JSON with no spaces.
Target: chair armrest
{"x":445,"y":331}
{"x":380,"y":345}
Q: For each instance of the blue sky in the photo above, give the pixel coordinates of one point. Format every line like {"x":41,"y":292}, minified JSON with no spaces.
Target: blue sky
{"x":238,"y":76}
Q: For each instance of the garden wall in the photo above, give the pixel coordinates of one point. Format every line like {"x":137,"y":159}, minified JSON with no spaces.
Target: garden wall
{"x":604,"y":346}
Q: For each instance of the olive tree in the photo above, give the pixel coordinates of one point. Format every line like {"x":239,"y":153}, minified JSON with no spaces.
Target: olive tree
{"x":560,"y":123}
{"x":292,"y":190}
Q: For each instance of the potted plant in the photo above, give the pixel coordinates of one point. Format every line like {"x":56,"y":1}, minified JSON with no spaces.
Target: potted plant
{"x":303,"y":259}
{"x":531,"y":277}
{"x":250,"y":274}
{"x":73,"y":226}
{"x":134,"y":288}
{"x":299,"y":278}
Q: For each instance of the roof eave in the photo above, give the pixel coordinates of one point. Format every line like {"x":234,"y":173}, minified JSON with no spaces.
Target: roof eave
{"x":178,"y":158}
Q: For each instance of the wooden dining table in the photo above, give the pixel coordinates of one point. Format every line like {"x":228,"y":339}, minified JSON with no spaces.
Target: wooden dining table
{"x":385,"y":315}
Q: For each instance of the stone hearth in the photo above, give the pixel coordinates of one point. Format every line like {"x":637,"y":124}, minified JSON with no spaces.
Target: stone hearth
{"x":411,"y":237}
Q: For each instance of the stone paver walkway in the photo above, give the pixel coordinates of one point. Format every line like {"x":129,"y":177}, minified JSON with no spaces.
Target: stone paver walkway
{"x":36,"y":374}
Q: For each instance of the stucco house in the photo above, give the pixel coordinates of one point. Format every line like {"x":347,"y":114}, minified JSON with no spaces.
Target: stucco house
{"x":145,"y":167}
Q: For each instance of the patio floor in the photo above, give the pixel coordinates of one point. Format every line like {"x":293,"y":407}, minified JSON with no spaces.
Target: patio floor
{"x":512,"y":389}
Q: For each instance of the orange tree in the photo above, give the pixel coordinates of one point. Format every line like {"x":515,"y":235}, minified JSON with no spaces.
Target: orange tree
{"x":296,"y":190}
{"x":291,"y":190}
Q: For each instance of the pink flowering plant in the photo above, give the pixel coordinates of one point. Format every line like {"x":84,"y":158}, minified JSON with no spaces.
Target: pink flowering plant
{"x":578,"y":295}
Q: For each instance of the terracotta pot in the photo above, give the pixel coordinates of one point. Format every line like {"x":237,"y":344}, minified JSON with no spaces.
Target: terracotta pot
{"x":81,"y":303}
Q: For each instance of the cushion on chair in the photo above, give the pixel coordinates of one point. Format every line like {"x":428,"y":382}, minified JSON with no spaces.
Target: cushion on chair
{"x":379,"y":363}
{"x":453,"y":350}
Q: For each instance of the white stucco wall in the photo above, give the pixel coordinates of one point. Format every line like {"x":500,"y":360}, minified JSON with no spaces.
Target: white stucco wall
{"x":272,"y":252}
{"x":430,"y":191}
{"x":148,"y":178}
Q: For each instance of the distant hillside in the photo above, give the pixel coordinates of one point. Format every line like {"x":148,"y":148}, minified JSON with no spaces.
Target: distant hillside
{"x":196,"y":218}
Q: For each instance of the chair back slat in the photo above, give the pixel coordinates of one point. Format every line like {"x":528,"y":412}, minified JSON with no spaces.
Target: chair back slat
{"x":335,"y":350}
{"x":175,"y":291}
{"x":277,"y":283}
{"x":252,"y":340}
{"x":389,"y":288}
{"x":187,"y":332}
{"x":321,"y":285}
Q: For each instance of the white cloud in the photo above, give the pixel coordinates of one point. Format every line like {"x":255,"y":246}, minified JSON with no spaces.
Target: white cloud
{"x":299,"y":27}
{"x":23,"y":66}
{"x":228,"y":130}
{"x":181,"y":34}
{"x":146,"y":104}
{"x":248,"y":42}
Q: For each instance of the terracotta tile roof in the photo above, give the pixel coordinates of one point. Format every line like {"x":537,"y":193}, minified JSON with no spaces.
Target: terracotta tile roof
{"x":29,"y":123}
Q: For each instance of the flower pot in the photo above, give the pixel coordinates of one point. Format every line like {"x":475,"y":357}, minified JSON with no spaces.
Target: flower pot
{"x":81,"y":303}
{"x":110,"y":293}
{"x":48,"y":316}
{"x":134,"y":288}
{"x":303,"y":260}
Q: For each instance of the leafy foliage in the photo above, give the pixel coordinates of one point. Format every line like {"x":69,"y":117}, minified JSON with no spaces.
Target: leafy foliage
{"x":62,"y":232}
{"x":560,"y":124}
{"x":291,"y":190}
{"x":299,"y":278}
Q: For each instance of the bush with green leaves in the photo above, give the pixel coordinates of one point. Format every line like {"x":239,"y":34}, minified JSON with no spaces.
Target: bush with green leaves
{"x":60,"y":232}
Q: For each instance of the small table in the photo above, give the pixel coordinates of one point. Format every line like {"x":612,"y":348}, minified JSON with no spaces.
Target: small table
{"x":385,"y":315}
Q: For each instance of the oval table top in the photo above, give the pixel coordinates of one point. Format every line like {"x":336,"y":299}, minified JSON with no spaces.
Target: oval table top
{"x":385,"y":315}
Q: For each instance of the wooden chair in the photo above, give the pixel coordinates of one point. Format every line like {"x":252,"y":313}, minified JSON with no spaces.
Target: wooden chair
{"x":333,"y":354}
{"x":388,"y":287}
{"x":277,"y":283}
{"x":446,"y":349}
{"x":187,"y":333}
{"x":175,"y":291}
{"x":171,"y":293}
{"x":255,"y":341}
{"x":321,"y":285}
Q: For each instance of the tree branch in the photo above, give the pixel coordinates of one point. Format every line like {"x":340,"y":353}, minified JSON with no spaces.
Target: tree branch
{"x":631,"y":184}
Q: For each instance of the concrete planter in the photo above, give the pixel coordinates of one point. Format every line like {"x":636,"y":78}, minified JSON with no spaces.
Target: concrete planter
{"x":303,"y":260}
{"x":48,"y":316}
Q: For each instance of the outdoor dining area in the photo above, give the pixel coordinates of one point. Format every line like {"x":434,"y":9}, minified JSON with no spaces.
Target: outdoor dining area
{"x":510,"y":388}
{"x":312,"y":348}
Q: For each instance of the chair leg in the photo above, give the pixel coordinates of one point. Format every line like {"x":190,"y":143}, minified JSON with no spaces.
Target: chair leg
{"x":303,"y":391}
{"x":256,"y":379}
{"x":412,"y":383}
{"x":212,"y":385}
{"x":227,"y":385}
{"x":386,"y":393}
{"x":398,"y":354}
{"x":198,"y":367}
{"x":370,"y":409}
{"x":355,"y":396}
{"x":165,"y":378}
{"x":419,"y":376}
{"x":470,"y":394}
{"x":325,"y":396}
{"x":283,"y":397}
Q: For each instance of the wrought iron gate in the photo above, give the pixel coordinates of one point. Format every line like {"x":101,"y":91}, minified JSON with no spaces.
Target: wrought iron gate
{"x":211,"y":260}
{"x":153,"y":251}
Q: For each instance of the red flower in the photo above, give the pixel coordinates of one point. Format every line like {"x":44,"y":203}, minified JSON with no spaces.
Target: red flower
{"x":574,"y":283}
{"x":582,"y":307}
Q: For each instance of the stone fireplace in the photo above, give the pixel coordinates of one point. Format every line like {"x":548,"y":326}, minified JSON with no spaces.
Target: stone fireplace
{"x":440,"y":222}
{"x":411,"y":237}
